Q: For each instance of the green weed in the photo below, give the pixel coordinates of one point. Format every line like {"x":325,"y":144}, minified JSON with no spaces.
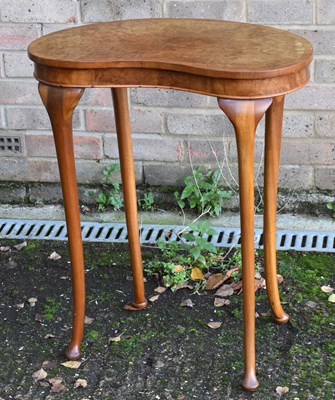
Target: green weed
{"x":202,"y":192}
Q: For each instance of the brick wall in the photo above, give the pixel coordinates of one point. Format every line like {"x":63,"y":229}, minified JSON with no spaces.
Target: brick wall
{"x":168,"y":127}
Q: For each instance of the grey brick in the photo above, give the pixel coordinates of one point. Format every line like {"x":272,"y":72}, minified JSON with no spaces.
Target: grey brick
{"x":45,"y":192}
{"x":42,"y":145}
{"x":49,"y":28}
{"x":325,"y":11}
{"x":147,"y":147}
{"x":38,"y":11}
{"x":207,"y":151}
{"x":19,"y":92}
{"x":165,"y":174}
{"x":12,"y":193}
{"x":18,"y":65}
{"x":294,"y":125}
{"x":325,"y":178}
{"x":280,"y":11}
{"x":14,"y":169}
{"x":90,"y":172}
{"x":199,"y":124}
{"x":312,"y":97}
{"x":107,"y":10}
{"x":325,"y":125}
{"x":325,"y":70}
{"x":323,"y":41}
{"x":102,"y":120}
{"x":34,"y":118}
{"x":17,"y":36}
{"x":167,"y":98}
{"x":296,"y":176}
{"x":96,"y":97}
{"x":225,"y":9}
{"x":311,"y":152}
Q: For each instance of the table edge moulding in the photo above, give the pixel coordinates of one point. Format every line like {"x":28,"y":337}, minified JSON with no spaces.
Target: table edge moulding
{"x":249,"y":68}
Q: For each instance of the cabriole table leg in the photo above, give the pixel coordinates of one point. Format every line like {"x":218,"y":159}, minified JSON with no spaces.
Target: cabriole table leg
{"x":245,"y":116}
{"x":121,"y":111}
{"x":60,"y":104}
{"x":273,"y":128}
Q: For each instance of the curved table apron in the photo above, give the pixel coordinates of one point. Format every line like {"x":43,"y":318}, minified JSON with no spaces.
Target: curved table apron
{"x":249,"y":68}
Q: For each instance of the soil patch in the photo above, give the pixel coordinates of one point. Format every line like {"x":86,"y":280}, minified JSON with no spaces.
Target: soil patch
{"x":166,"y":351}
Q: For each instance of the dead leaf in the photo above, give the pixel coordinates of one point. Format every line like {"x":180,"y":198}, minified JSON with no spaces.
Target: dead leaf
{"x":259,"y":284}
{"x":236,"y":286}
{"x":72,"y":364}
{"x":32,"y":301}
{"x":214,"y":325}
{"x":39,"y":317}
{"x":54,"y":256}
{"x":115,"y":338}
{"x":49,"y":364}
{"x":20,"y":246}
{"x":20,"y":305}
{"x":183,"y":286}
{"x":178,"y":268}
{"x":154,"y":298}
{"x":331,"y":298}
{"x":258,"y":275}
{"x":39,"y":375}
{"x":311,"y":304}
{"x":224,"y":291}
{"x":80,"y":383}
{"x":159,"y":364}
{"x":216,"y":280}
{"x":327,"y":289}
{"x":49,"y":336}
{"x":280,"y":279}
{"x":197,"y":275}
{"x":187,"y":303}
{"x":221,"y":302}
{"x":266,"y":314}
{"x":4,"y":248}
{"x":88,"y":320}
{"x":282,"y":390}
{"x":160,"y":289}
{"x":256,"y":315}
{"x":57,"y":385}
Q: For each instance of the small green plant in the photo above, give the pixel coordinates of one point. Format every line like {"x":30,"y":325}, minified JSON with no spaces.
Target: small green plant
{"x":50,"y":308}
{"x":331,"y":206}
{"x":202,"y":192}
{"x":93,"y":335}
{"x":146,"y":203}
{"x":190,"y":254}
{"x":110,"y":195}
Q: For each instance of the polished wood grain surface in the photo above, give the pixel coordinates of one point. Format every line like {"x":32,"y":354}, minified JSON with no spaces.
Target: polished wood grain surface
{"x":201,"y":47}
{"x":250,"y":69}
{"x":228,"y":58}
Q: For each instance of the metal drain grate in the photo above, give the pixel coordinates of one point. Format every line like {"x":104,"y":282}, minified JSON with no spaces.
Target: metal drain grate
{"x":149,"y":234}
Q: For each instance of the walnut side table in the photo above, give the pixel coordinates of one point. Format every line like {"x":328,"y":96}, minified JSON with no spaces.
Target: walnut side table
{"x":249,"y":68}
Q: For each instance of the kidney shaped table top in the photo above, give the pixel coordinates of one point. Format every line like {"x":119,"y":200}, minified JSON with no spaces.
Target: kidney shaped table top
{"x":249,"y":68}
